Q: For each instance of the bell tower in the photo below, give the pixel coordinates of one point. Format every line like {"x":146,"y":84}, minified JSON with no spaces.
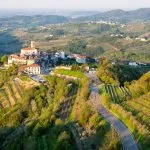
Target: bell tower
{"x":32,"y":44}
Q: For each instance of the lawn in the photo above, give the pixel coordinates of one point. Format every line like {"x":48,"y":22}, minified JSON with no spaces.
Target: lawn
{"x":77,"y":74}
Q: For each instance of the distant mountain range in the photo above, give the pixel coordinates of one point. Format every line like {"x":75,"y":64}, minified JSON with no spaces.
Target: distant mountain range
{"x":121,"y":16}
{"x":67,"y":13}
{"x":139,"y":15}
{"x":32,"y":21}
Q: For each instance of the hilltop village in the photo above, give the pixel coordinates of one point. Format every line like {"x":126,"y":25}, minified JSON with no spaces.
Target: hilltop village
{"x":33,"y":61}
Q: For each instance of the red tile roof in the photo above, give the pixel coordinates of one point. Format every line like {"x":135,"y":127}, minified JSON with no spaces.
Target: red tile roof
{"x":34,"y":65}
{"x":22,"y":68}
{"x":77,"y":55}
{"x":81,"y":56}
{"x":28,"y":49}
{"x":17,"y":57}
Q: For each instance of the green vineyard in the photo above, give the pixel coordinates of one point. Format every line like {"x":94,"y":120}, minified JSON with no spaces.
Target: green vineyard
{"x":117,"y":94}
{"x":10,"y":94}
{"x":140,"y":108}
{"x":134,"y":112}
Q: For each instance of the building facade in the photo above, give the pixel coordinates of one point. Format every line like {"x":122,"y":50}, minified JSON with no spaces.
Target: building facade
{"x":33,"y":69}
{"x":29,"y":51}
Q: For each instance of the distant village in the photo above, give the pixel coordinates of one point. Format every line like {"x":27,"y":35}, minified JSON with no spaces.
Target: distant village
{"x":143,"y":38}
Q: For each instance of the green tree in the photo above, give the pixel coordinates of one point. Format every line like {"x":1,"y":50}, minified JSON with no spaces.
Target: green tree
{"x":63,"y":142}
{"x":4,"y":59}
{"x":77,"y":46}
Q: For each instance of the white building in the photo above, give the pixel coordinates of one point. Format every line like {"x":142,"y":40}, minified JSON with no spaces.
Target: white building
{"x":33,"y":69}
{"x":29,"y":51}
{"x":62,"y":55}
{"x":81,"y":59}
{"x":143,"y":40}
{"x":133,"y":64}
{"x":20,"y":60}
{"x":16,"y":59}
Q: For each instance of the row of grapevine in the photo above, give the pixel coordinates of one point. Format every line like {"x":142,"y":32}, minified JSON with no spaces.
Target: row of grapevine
{"x":144,"y":103}
{"x":10,"y":94}
{"x":18,"y":87}
{"x":117,"y":94}
{"x":141,"y":117}
{"x":140,"y":108}
{"x":4,"y":98}
{"x":125,"y":91}
{"x":13,"y":94}
{"x":65,"y":108}
{"x":111,"y":90}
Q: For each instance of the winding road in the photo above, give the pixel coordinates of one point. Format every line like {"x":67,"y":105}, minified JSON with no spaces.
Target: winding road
{"x":128,"y":141}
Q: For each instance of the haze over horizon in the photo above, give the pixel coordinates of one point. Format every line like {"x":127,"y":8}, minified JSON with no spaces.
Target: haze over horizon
{"x":74,"y":5}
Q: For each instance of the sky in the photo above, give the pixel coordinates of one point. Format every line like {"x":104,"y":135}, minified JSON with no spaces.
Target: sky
{"x":74,"y":4}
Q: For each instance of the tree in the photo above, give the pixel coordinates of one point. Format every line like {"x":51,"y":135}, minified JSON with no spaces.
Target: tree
{"x":106,"y":99}
{"x":63,"y":142}
{"x":4,"y":59}
{"x":13,"y":70}
{"x":77,"y":46}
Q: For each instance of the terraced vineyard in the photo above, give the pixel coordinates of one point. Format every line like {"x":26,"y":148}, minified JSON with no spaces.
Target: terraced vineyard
{"x":134,"y":112}
{"x":117,"y":94}
{"x":65,"y":108}
{"x":10,"y":94}
{"x":140,"y":108}
{"x":51,"y":116}
{"x":79,"y":133}
{"x":32,"y":111}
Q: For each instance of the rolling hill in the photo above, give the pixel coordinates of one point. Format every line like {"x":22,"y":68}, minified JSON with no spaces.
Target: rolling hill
{"x":121,"y":16}
{"x":31,"y":21}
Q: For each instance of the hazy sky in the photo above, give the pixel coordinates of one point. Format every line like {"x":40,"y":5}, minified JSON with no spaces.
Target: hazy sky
{"x":74,"y":4}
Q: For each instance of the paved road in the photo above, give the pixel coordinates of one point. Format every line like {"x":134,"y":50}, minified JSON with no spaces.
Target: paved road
{"x":37,"y":78}
{"x":127,"y":139}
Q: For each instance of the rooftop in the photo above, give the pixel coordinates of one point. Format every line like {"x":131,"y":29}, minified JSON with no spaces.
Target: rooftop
{"x":33,"y":65}
{"x":28,"y":49}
